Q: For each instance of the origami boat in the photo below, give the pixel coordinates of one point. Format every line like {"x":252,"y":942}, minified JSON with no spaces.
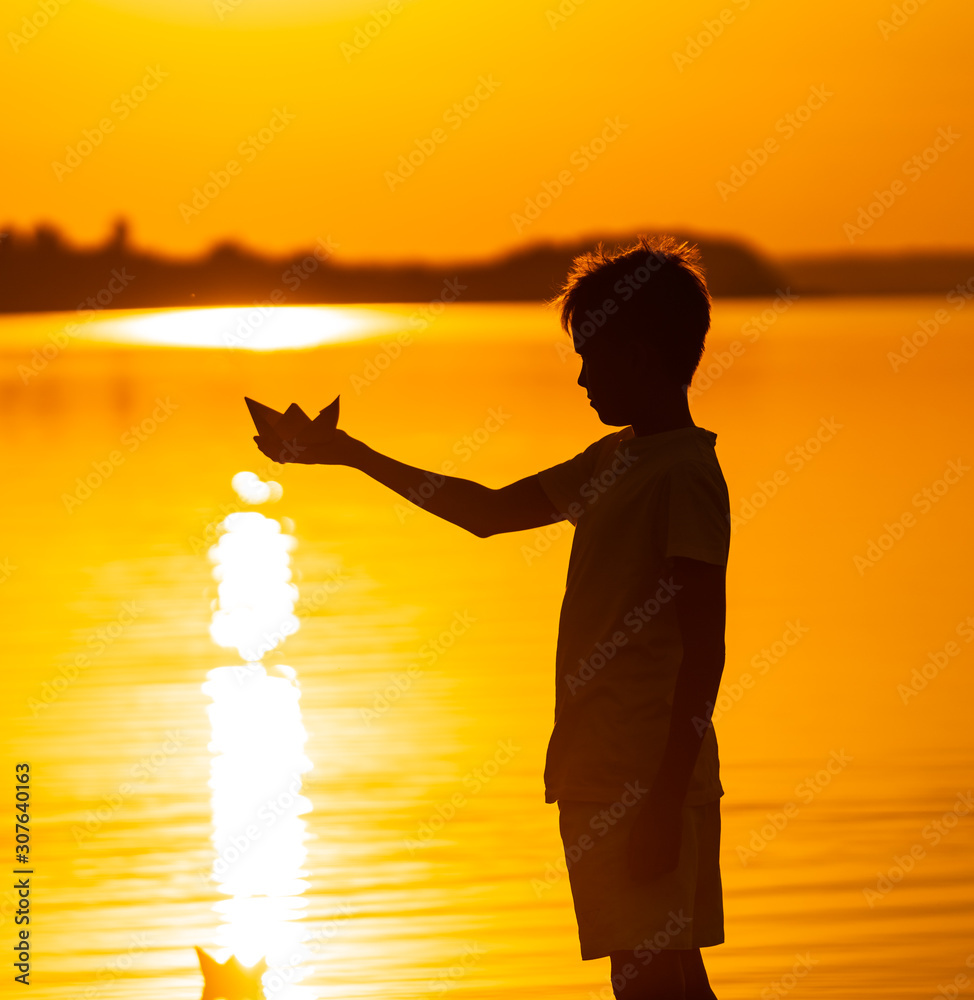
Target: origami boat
{"x":293,"y":425}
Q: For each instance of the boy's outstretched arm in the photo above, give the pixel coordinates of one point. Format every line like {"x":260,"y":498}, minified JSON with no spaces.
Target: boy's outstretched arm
{"x":479,"y":509}
{"x":701,"y":605}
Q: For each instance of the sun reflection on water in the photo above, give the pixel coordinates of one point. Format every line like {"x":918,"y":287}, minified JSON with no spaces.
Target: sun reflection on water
{"x":258,"y":740}
{"x":253,"y":328}
{"x":256,"y":597}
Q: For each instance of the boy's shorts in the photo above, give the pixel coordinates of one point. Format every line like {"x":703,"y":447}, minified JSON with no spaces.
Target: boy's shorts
{"x":680,"y":910}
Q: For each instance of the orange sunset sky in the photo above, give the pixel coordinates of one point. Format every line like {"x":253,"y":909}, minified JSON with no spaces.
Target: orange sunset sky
{"x":128,"y":107}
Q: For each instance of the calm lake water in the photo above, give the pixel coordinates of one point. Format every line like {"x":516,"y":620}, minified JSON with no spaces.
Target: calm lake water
{"x":385,"y":833}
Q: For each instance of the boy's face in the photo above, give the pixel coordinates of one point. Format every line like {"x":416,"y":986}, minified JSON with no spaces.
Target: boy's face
{"x":619,"y":374}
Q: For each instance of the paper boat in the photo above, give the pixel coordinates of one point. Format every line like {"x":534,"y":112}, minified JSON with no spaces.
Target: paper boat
{"x":294,"y":424}
{"x":230,"y":980}
{"x":323,"y":427}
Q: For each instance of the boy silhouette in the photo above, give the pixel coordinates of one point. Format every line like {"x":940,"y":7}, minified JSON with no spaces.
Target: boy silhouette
{"x":632,"y":760}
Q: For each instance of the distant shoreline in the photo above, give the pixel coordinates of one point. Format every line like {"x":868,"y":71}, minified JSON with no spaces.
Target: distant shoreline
{"x":41,"y":273}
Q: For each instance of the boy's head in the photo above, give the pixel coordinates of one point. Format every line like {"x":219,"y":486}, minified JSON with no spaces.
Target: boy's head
{"x":638,"y":318}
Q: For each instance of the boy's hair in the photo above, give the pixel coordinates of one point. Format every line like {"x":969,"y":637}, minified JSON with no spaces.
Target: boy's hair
{"x":653,"y":289}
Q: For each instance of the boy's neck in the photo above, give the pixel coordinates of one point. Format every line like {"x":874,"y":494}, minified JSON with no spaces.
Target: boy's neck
{"x":666,"y":415}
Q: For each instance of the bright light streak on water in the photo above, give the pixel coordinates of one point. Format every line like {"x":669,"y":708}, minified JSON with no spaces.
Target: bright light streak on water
{"x":256,"y":597}
{"x":258,"y":742}
{"x":252,"y":489}
{"x":252,"y":328}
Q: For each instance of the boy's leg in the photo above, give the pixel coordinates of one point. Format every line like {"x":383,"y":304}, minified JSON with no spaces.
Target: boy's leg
{"x":660,"y":979}
{"x":672,"y":975}
{"x":611,"y":910}
{"x":695,"y":976}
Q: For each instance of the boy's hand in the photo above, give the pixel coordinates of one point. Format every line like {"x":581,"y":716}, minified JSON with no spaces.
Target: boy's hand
{"x":336,"y":451}
{"x":654,"y":840}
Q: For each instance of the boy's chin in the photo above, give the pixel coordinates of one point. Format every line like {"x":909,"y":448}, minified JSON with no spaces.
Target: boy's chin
{"x":612,"y":418}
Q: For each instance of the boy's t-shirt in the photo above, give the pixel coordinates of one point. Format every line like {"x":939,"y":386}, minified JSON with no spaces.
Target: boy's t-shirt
{"x":635,"y":503}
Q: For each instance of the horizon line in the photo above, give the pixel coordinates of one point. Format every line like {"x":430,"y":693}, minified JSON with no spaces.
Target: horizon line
{"x":119,"y":237}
